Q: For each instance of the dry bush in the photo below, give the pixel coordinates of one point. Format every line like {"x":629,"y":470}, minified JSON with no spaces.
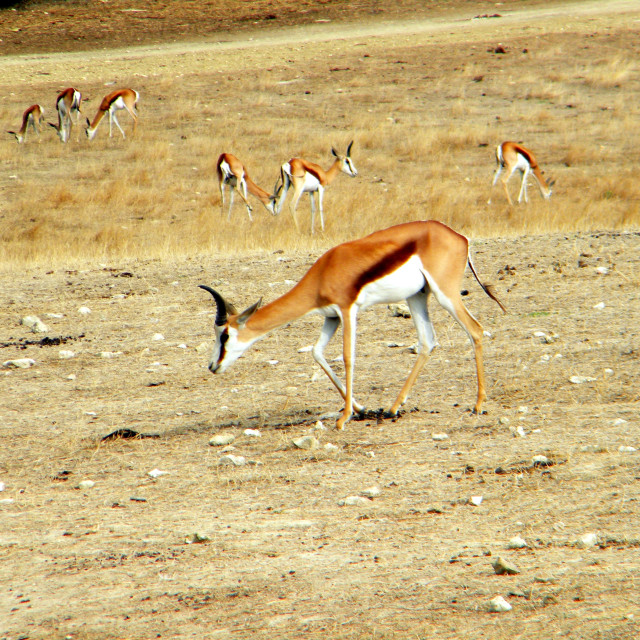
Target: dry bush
{"x":607,"y":74}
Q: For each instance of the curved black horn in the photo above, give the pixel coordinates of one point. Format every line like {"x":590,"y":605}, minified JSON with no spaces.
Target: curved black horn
{"x":349,"y":148}
{"x":222,"y":307}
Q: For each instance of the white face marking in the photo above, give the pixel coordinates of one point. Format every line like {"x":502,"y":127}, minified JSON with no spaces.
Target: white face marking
{"x":398,"y":285}
{"x":227,"y":349}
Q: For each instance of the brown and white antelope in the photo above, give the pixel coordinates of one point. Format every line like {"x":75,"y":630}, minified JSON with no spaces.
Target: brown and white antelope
{"x":115,"y":101}
{"x":405,"y":262}
{"x":232,"y":173}
{"x":512,"y":156}
{"x":32,"y":117}
{"x":307,"y":177}
{"x":67,"y":103}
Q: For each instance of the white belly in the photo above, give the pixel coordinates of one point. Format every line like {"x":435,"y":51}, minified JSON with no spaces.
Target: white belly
{"x":311,"y":183}
{"x":402,"y":283}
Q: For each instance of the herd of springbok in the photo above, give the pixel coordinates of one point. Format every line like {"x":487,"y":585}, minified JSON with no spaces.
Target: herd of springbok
{"x":408,"y":262}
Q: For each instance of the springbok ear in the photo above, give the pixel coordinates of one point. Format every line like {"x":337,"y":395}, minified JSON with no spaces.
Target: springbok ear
{"x":53,"y":125}
{"x":551,"y":182}
{"x":334,"y":152}
{"x":243,"y":318}
{"x":349,"y":148}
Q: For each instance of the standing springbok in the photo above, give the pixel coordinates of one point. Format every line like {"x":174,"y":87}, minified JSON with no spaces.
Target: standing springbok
{"x":67,"y":103}
{"x":406,"y":262}
{"x":511,"y":156}
{"x":307,"y":177}
{"x":32,"y":117}
{"x":115,"y":101}
{"x":232,"y":173}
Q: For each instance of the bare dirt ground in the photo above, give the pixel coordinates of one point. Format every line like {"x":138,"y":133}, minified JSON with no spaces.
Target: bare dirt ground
{"x":283,"y":557}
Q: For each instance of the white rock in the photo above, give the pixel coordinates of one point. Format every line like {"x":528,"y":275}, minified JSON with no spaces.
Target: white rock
{"x":197,"y":538}
{"x":319,"y":426}
{"x":588,"y":540}
{"x":516,"y":543}
{"x":520,"y":431}
{"x":66,"y":355}
{"x":157,"y":337}
{"x":600,"y":305}
{"x":71,"y":376}
{"x":504,"y":420}
{"x":54,"y":315}
{"x":182,"y":345}
{"x":608,"y":372}
{"x":203,"y":347}
{"x":440,"y":436}
{"x":253,"y":433}
{"x":399,"y":310}
{"x":230,"y":459}
{"x":523,"y":409}
{"x":487,"y":334}
{"x":476,"y":500}
{"x":19,"y":363}
{"x":306,"y":442}
{"x":222,"y":439}
{"x":110,"y":354}
{"x":618,"y":421}
{"x":156,"y":473}
{"x":2,"y":486}
{"x":499,"y":605}
{"x":540,"y":459}
{"x":371,"y":492}
{"x":306,"y":349}
{"x":581,"y":379}
{"x":354,"y":501}
{"x":7,"y":501}
{"x":86,"y":484}
{"x":625,"y":449}
{"x":602,"y":270}
{"x":85,"y":311}
{"x":272,"y":362}
{"x":330,"y":448}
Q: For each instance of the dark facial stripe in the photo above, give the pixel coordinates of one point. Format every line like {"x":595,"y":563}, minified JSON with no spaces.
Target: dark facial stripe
{"x":386,"y":266}
{"x":224,"y":336}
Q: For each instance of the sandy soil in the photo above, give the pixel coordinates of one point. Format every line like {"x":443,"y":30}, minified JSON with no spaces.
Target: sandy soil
{"x":283,"y":557}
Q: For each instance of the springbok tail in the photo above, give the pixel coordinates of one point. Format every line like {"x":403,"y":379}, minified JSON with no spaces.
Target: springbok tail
{"x":487,"y":288}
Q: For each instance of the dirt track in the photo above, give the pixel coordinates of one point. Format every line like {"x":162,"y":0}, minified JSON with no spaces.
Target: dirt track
{"x":284,"y":558}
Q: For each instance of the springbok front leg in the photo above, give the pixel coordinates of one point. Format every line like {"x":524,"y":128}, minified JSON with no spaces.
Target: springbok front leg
{"x":349,"y":354}
{"x":329,"y":328}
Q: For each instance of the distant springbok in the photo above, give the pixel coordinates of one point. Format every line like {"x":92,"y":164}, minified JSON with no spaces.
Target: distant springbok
{"x":67,"y":103}
{"x":32,"y":117}
{"x":115,"y":101}
{"x":512,"y":156}
{"x":232,"y":173}
{"x":307,"y":177}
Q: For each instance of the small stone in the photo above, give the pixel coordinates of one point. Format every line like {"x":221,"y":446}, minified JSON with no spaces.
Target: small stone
{"x":626,"y":449}
{"x":588,"y":540}
{"x":600,"y":305}
{"x":71,"y":376}
{"x":399,"y":310}
{"x":499,"y":605}
{"x":203,"y":347}
{"x":618,"y":421}
{"x":319,"y":426}
{"x":371,"y":492}
{"x":19,"y":363}
{"x":540,"y":460}
{"x":156,"y":473}
{"x":520,"y":431}
{"x":354,"y":501}
{"x":252,"y":433}
{"x":230,"y":459}
{"x":197,"y":538}
{"x":517,"y":543}
{"x":504,"y":420}
{"x":476,"y":500}
{"x":86,"y":484}
{"x":110,"y":354}
{"x":85,"y":311}
{"x":272,"y":362}
{"x":581,"y":379}
{"x":306,"y":442}
{"x":7,"y":501}
{"x":3,"y":486}
{"x":330,"y":448}
{"x":157,"y":337}
{"x":502,"y":567}
{"x":222,"y":439}
{"x":602,"y":270}
{"x":306,"y":349}
{"x":522,"y":409}
{"x":439,"y":436}
{"x":66,"y":355}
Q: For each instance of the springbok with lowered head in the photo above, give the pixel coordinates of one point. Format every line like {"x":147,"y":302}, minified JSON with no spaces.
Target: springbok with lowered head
{"x":408,"y":262}
{"x":126,"y":99}
{"x":32,"y":117}
{"x":67,"y":103}
{"x":511,"y":156}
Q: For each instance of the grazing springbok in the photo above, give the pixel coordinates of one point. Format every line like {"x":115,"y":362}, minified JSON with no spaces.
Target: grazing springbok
{"x":232,"y":173}
{"x":406,"y":262}
{"x":32,"y":117}
{"x":115,"y":101}
{"x":307,"y":177}
{"x":511,"y":156}
{"x":67,"y":103}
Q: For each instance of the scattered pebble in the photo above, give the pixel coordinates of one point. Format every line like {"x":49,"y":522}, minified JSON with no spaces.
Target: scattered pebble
{"x":230,"y":459}
{"x":222,"y":439}
{"x":306,"y":349}
{"x":85,"y":311}
{"x":588,"y":540}
{"x":618,"y":421}
{"x":253,"y":433}
{"x":502,"y":567}
{"x":157,"y":337}
{"x":499,"y":605}
{"x":602,"y":270}
{"x":156,"y":473}
{"x":66,"y":355}
{"x":86,"y":484}
{"x":319,"y":426}
{"x":331,"y":448}
{"x":540,"y":460}
{"x":7,"y":501}
{"x":440,"y":436}
{"x":3,"y":486}
{"x":476,"y":500}
{"x":581,"y":379}
{"x":517,"y":543}
{"x":71,"y":376}
{"x":197,"y":538}
{"x":371,"y":492}
{"x":19,"y":363}
{"x":306,"y":442}
{"x":203,"y":347}
{"x":600,"y":305}
{"x":520,"y":431}
{"x":354,"y":501}
{"x":110,"y":354}
{"x":399,"y":310}
{"x":35,"y":324}
{"x":626,"y":449}
{"x":272,"y":362}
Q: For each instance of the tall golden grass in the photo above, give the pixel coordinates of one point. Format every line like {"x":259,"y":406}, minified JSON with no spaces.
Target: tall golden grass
{"x":425,"y":117}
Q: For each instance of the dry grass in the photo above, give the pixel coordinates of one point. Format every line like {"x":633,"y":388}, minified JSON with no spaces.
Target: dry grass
{"x":425,"y":120}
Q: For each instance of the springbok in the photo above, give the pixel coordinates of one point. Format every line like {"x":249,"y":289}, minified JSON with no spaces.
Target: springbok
{"x":232,"y":173}
{"x":307,"y":177}
{"x":67,"y":103}
{"x":32,"y":117}
{"x":406,"y":262}
{"x":115,"y":101}
{"x":511,"y":156}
